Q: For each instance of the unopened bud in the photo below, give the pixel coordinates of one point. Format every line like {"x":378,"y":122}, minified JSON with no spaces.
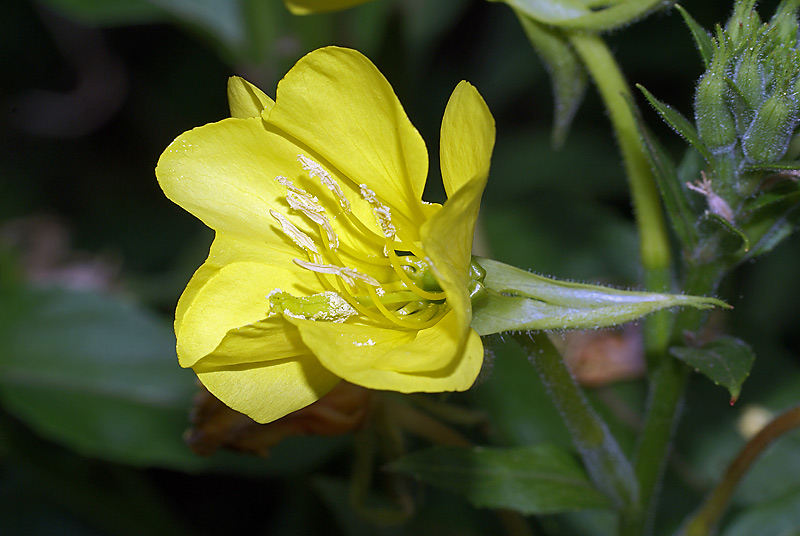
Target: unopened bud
{"x":751,"y":85}
{"x":767,"y":138}
{"x":715,"y":122}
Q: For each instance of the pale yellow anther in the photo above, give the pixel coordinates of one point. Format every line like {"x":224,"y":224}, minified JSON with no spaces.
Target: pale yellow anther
{"x":316,"y":170}
{"x":296,"y":235}
{"x":348,"y":274}
{"x":383,"y":215}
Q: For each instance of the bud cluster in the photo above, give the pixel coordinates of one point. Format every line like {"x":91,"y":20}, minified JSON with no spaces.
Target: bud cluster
{"x":746,"y":104}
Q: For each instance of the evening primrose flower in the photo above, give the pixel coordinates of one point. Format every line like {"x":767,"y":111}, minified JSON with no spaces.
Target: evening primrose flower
{"x":327,"y":264}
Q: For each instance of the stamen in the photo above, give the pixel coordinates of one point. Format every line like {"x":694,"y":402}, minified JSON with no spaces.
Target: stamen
{"x":315,"y":213}
{"x":398,"y":268}
{"x":297,"y":236}
{"x":343,"y":272}
{"x":315,"y":170}
{"x":383,"y":215}
{"x":399,"y":320}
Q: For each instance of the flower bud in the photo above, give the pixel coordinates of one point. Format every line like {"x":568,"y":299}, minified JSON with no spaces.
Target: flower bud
{"x":767,"y":138}
{"x":750,"y":82}
{"x":715,"y":122}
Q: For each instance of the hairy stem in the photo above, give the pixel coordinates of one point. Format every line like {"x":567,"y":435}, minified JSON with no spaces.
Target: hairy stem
{"x":605,"y":462}
{"x":653,"y":239}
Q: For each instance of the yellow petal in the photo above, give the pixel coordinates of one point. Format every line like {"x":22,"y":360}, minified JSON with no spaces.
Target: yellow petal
{"x":228,"y":249}
{"x":268,"y":391}
{"x":467,"y":138}
{"x":335,"y":101}
{"x":245,"y":99}
{"x":231,"y":297}
{"x":224,"y":173}
{"x":430,"y":360}
{"x":306,"y":7}
{"x":447,"y":240}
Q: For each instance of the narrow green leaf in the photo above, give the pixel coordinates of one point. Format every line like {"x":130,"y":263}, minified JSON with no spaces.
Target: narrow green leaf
{"x":673,"y":194}
{"x":774,"y":166}
{"x":701,"y":37}
{"x":726,"y":361}
{"x":540,"y":479}
{"x":520,"y":300}
{"x":587,"y":14}
{"x":678,"y":122}
{"x":567,"y":75}
{"x":731,"y":228}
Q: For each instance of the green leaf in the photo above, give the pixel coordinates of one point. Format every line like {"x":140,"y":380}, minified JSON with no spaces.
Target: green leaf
{"x":538,"y":479}
{"x":99,"y":375}
{"x":730,"y":227}
{"x":701,"y":37}
{"x":567,"y":74}
{"x":673,"y":194}
{"x":774,"y":166}
{"x":520,"y":300}
{"x":781,"y":516}
{"x":95,"y":373}
{"x":725,"y":361}
{"x":678,"y":122}
{"x":597,"y":15}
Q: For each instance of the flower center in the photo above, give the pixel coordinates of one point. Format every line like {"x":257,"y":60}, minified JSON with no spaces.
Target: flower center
{"x":383,"y":277}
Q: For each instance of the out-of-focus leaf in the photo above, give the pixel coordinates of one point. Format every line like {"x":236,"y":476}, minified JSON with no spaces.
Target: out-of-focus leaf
{"x":778,"y":517}
{"x":586,"y":14}
{"x":725,"y":361}
{"x":95,"y":373}
{"x":672,"y":192}
{"x":677,"y":121}
{"x":532,"y":480}
{"x":109,"y":12}
{"x":520,"y":300}
{"x":519,"y":408}
{"x":567,"y":74}
{"x":701,"y":37}
{"x":99,"y":375}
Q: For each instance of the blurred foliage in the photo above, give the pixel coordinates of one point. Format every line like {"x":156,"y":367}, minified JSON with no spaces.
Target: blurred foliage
{"x":93,"y":403}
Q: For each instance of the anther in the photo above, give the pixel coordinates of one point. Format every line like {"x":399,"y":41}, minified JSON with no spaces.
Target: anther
{"x":297,"y":236}
{"x":315,"y":170}
{"x":383,"y":215}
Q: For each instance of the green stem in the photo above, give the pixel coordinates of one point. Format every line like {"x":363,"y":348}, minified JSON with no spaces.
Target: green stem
{"x":607,"y":466}
{"x":705,"y":520}
{"x":653,"y":239}
{"x":668,"y":378}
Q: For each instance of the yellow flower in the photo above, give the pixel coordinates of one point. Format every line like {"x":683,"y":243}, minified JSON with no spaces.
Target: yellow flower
{"x":307,"y":7}
{"x":326,"y":264}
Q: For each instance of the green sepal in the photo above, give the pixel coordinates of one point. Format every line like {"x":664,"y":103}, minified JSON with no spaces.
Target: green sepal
{"x":678,"y":122}
{"x":701,"y":37}
{"x":521,"y":301}
{"x":567,"y":73}
{"x":726,"y":361}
